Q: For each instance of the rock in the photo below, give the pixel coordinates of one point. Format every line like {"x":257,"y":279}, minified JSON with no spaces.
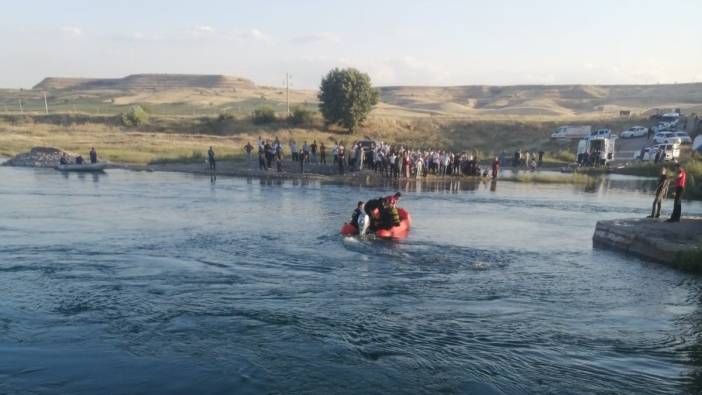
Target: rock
{"x":678,"y":244}
{"x":40,"y":157}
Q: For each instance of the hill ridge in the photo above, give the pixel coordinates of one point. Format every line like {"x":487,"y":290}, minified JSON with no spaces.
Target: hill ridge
{"x":146,"y":82}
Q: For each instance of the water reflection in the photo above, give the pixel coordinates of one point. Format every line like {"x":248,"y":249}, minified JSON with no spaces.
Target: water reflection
{"x":94,"y":175}
{"x":598,"y":185}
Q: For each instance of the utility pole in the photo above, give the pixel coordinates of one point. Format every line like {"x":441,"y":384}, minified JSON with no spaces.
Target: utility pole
{"x":288,"y":77}
{"x":46,"y":105}
{"x":21,"y":109}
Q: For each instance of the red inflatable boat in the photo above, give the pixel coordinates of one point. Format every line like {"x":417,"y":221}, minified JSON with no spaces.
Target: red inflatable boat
{"x":396,"y":232}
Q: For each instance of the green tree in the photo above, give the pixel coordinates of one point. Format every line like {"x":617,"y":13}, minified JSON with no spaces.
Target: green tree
{"x":135,"y":116}
{"x":346,"y":97}
{"x":263,"y":115}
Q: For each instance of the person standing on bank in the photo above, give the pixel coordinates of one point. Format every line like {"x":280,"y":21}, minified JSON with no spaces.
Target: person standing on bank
{"x":211,"y":158}
{"x":495,"y":167}
{"x":340,"y":153}
{"x":93,"y":155}
{"x":661,"y":193}
{"x":322,"y":154}
{"x":313,"y":150}
{"x":248,"y":148}
{"x":679,"y":189}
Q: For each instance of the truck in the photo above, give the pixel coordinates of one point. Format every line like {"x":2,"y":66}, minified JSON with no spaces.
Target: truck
{"x":595,"y":151}
{"x":571,"y":132}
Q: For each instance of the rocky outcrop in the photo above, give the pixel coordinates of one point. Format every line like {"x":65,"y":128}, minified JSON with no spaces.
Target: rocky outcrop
{"x":39,"y":157}
{"x":142,"y":82}
{"x":678,"y":244}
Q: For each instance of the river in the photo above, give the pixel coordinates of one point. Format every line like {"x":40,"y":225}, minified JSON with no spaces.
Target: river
{"x":138,"y":282}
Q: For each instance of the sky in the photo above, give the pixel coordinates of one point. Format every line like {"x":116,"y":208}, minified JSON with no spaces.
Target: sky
{"x":494,"y":42}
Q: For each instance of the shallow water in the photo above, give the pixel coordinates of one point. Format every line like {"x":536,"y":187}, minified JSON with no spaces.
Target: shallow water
{"x":132,"y":282}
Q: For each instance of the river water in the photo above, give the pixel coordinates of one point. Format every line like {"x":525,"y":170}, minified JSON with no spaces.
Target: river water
{"x":136,"y":282}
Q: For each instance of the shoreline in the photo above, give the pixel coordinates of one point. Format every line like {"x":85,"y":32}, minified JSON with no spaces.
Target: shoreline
{"x":328,"y":174}
{"x":548,"y":173}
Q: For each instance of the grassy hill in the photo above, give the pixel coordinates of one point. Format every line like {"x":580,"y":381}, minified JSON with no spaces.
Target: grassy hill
{"x":185,"y":94}
{"x":185,"y":111}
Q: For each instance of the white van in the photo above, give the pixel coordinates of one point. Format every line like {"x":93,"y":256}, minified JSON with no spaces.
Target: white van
{"x":571,"y":132}
{"x":601,"y":146}
{"x":672,"y":151}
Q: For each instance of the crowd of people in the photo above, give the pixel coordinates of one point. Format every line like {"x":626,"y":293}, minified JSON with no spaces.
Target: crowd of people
{"x":394,"y":161}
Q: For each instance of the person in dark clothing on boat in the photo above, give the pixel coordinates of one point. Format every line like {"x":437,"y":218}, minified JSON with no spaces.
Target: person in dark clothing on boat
{"x":356,"y":213}
{"x":372,"y":205}
{"x":389,"y":216}
{"x":661,"y":193}
{"x":79,"y":160}
{"x":63,"y":160}
{"x":393,"y":198}
{"x":211,"y":158}
{"x":93,"y":155}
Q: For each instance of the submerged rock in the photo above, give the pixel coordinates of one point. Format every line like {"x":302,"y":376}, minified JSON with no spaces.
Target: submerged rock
{"x":678,"y":244}
{"x":40,"y":157}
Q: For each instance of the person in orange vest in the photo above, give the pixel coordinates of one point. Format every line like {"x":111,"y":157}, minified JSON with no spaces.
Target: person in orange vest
{"x":679,"y":189}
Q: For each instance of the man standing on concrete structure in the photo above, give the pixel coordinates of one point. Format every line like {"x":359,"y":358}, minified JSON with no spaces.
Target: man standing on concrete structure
{"x":661,"y":193}
{"x":679,"y":189}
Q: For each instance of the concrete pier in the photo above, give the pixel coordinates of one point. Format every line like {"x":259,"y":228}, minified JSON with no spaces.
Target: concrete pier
{"x":677,"y":244}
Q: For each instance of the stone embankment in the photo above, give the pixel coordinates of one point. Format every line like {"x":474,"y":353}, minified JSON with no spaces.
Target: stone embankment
{"x":40,"y":157}
{"x":678,"y":244}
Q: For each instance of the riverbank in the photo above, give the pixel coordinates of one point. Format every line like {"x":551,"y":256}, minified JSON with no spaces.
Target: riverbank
{"x":676,"y":244}
{"x":329,"y":173}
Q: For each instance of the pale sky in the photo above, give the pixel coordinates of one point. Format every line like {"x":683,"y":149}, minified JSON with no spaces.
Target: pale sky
{"x":495,"y":42}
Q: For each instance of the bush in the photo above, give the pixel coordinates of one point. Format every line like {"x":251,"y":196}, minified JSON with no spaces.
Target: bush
{"x":226,"y":116}
{"x":136,"y":116}
{"x":263,"y":115}
{"x":562,"y":156}
{"x":301,"y":116}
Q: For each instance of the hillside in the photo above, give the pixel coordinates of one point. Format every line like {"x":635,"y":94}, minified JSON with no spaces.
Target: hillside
{"x":187,"y":94}
{"x":544,"y":100}
{"x":141,"y":82}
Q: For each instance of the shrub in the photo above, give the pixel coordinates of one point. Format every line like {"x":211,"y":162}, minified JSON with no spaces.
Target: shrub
{"x":135,"y":116}
{"x":226,"y":116}
{"x":301,"y":116}
{"x":263,"y":115}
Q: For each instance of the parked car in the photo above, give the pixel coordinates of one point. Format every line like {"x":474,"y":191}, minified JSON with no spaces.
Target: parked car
{"x":603,"y":133}
{"x":666,"y":138}
{"x":634,"y":131}
{"x":684,"y":138}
